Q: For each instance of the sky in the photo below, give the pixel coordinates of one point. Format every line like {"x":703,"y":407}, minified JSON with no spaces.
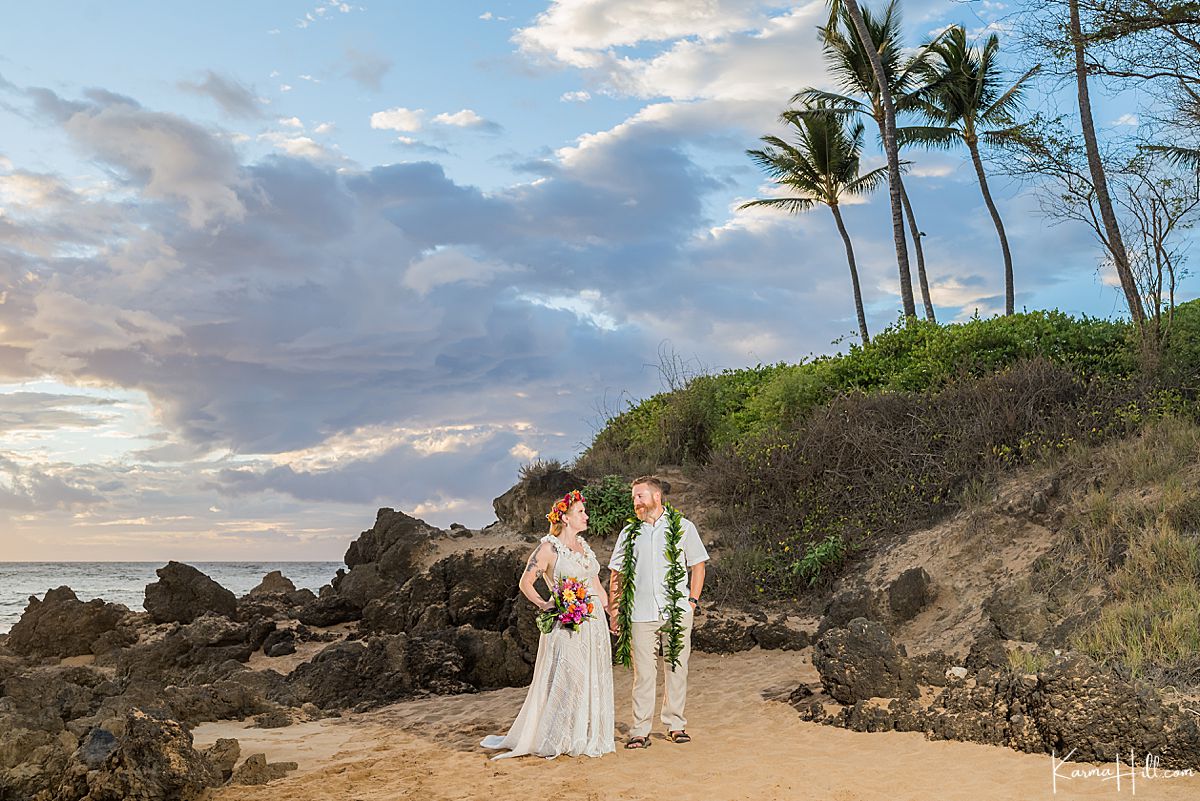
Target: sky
{"x":267,"y":267}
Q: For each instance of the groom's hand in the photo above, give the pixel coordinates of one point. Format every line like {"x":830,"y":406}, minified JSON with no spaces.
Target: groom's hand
{"x":614,"y":626}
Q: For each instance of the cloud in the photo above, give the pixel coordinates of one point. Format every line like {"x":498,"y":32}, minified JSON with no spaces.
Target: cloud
{"x":167,"y":157}
{"x":465,"y":118}
{"x":69,"y":328}
{"x":575,"y":97}
{"x":40,"y":488}
{"x":34,"y":190}
{"x":406,"y":120}
{"x":451,"y":265}
{"x":367,"y":69}
{"x":398,"y":119}
{"x":579,"y":32}
{"x":44,"y":411}
{"x":232,"y":97}
{"x":746,"y":66}
{"x":300,"y":146}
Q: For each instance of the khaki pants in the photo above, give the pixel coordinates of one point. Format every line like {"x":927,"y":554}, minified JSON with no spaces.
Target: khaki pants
{"x":645,"y":645}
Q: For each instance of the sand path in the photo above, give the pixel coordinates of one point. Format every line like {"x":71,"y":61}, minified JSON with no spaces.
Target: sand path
{"x":748,"y":745}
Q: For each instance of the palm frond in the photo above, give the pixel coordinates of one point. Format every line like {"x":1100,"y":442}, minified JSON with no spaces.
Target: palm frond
{"x":1002,"y":137}
{"x":865,"y":184}
{"x":822,"y":160}
{"x":1184,"y":156}
{"x":929,"y":136}
{"x":788,"y":204}
{"x":819,"y":97}
{"x":1008,"y":102}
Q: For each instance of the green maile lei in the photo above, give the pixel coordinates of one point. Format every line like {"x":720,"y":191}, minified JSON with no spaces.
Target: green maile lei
{"x":673,"y":627}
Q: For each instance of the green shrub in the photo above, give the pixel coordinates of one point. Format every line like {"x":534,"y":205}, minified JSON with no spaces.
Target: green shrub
{"x":820,"y":559}
{"x":712,"y":412}
{"x":872,"y":465}
{"x":538,"y":468}
{"x":1181,"y":362}
{"x":816,"y":459}
{"x":609,"y":505}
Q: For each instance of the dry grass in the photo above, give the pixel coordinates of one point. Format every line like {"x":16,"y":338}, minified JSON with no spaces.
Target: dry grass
{"x":1024,"y":661}
{"x":1136,"y":529}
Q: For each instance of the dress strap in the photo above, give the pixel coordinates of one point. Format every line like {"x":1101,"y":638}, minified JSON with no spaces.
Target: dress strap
{"x":587,"y":549}
{"x":552,"y":575}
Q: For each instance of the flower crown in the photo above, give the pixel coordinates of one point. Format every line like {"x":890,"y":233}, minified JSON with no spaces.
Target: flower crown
{"x":559,"y":509}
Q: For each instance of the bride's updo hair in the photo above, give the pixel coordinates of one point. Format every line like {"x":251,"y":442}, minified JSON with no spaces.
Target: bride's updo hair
{"x":560,"y":508}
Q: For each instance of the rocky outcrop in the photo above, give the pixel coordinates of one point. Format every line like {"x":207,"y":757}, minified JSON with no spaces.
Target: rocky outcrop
{"x":523,"y":508}
{"x":274,"y":583}
{"x":151,"y":759}
{"x":280,"y":643}
{"x":191,"y":653}
{"x":379,"y":671}
{"x":475,"y":588}
{"x":861,"y":661}
{"x":491,"y":659}
{"x":256,"y":770}
{"x":329,"y":610}
{"x":223,"y":754}
{"x":182,"y":593}
{"x":851,"y":603}
{"x":274,"y":598}
{"x":75,"y":732}
{"x":720,"y":631}
{"x":46,"y":698}
{"x":384,"y":556}
{"x":1073,"y":706}
{"x":61,"y":625}
{"x":1019,"y":613}
{"x":910,"y":594}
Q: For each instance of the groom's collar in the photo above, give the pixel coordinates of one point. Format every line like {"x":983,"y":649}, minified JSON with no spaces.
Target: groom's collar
{"x":652,"y":523}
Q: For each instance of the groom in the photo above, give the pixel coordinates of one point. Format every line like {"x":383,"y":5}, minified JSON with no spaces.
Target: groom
{"x":650,"y":607}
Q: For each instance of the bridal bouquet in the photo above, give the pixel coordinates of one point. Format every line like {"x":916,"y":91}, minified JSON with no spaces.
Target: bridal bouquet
{"x":572,"y":606}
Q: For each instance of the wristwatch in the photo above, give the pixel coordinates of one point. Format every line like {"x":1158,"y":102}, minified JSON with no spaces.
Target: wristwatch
{"x":696,"y":601}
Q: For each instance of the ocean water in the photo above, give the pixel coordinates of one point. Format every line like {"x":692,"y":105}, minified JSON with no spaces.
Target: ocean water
{"x":125,"y":582}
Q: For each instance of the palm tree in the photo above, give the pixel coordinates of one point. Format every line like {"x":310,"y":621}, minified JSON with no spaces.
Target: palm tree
{"x":819,"y":169}
{"x":1112,"y":230}
{"x":964,"y":100}
{"x":891,"y":147}
{"x":850,"y":67}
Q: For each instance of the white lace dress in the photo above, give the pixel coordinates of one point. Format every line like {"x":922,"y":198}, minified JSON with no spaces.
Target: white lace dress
{"x":569,"y":706}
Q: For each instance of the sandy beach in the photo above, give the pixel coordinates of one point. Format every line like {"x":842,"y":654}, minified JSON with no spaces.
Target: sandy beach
{"x":749,"y":744}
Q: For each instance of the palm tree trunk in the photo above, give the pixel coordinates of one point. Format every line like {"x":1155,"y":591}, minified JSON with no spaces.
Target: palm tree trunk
{"x":1116,"y":245}
{"x":858,"y":302}
{"x":891,"y":149}
{"x":916,"y":235}
{"x":987,"y":198}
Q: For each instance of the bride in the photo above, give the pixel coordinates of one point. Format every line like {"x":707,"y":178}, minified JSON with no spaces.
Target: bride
{"x":569,"y":706}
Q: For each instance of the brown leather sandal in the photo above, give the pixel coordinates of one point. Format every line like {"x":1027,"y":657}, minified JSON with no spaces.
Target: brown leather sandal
{"x":637,"y":742}
{"x":679,"y":736}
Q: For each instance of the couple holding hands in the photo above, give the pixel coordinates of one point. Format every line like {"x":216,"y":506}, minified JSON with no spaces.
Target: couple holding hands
{"x":649,"y":607}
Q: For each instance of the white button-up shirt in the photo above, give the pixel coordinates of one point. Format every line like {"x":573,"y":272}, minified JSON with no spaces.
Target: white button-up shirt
{"x":650,"y":566}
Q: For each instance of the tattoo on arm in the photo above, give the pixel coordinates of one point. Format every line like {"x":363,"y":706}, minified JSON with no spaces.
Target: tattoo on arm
{"x":532,"y":565}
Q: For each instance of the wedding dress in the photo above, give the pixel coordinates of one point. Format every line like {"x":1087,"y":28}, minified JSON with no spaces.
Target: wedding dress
{"x":569,"y":706}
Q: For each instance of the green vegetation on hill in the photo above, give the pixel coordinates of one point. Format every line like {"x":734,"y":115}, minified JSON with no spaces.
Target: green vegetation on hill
{"x":812,"y":461}
{"x":714,"y":411}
